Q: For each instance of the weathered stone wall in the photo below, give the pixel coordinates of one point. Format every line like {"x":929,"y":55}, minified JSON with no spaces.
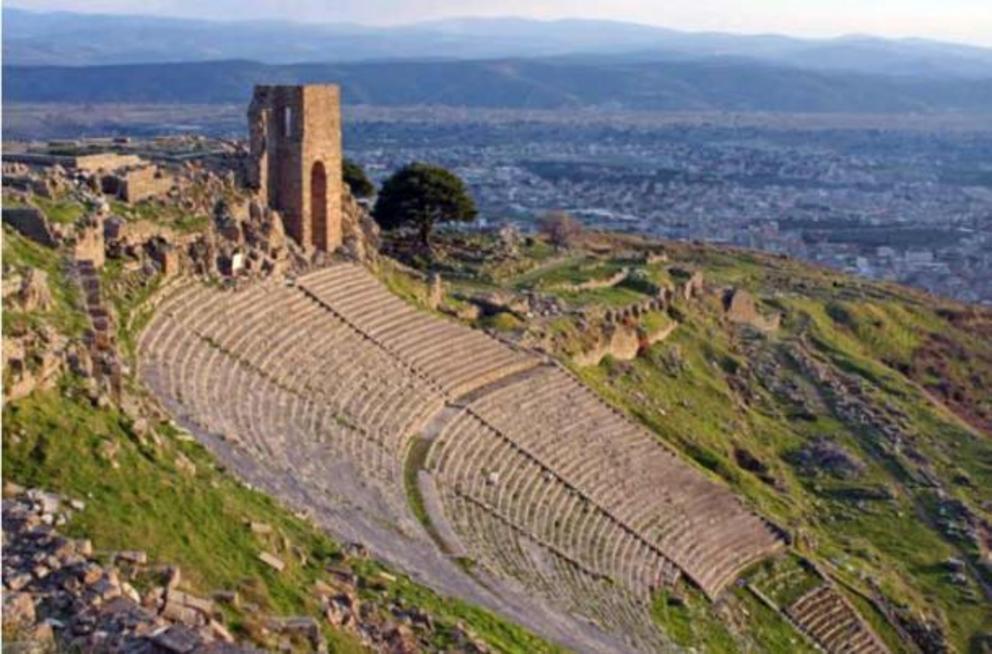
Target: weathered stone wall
{"x":295,"y":159}
{"x":594,"y":284}
{"x":87,"y":162}
{"x":322,"y":145}
{"x":142,"y":183}
{"x":30,"y":222}
{"x":137,"y":232}
{"x":89,"y":245}
{"x":622,"y":342}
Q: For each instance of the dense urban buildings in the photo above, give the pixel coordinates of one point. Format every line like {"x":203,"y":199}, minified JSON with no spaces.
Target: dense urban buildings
{"x":906,"y":198}
{"x":903,"y":199}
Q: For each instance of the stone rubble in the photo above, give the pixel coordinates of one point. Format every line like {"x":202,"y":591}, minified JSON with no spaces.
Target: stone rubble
{"x":59,"y":593}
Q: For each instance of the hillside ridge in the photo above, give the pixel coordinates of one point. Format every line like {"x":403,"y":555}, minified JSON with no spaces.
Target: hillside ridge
{"x":718,"y":84}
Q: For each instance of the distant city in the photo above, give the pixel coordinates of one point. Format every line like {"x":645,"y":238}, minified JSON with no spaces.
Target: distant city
{"x":905,"y":199}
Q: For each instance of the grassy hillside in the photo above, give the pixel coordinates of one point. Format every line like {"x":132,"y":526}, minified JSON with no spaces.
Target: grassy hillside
{"x":860,"y":426}
{"x":154,"y":488}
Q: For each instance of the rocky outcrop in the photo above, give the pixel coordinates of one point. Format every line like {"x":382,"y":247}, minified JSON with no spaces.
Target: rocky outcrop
{"x":360,"y":232}
{"x":690,"y":282}
{"x":127,"y":235}
{"x":58,"y":594}
{"x":622,"y":342}
{"x":28,"y":291}
{"x":61,"y":594}
{"x":32,"y":360}
{"x":739,"y":307}
{"x":45,"y":183}
{"x":31,"y":222}
{"x":824,"y":455}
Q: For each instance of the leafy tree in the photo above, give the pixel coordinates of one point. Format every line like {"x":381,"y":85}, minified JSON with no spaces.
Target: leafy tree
{"x":356,"y":179}
{"x":422,"y":195}
{"x":560,"y":228}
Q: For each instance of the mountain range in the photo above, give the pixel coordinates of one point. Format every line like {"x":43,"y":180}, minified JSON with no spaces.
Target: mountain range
{"x":61,"y":38}
{"x":713,"y":84}
{"x":484,"y":63}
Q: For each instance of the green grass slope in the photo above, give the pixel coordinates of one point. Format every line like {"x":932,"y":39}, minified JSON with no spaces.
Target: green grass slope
{"x":860,"y":426}
{"x":154,"y":488}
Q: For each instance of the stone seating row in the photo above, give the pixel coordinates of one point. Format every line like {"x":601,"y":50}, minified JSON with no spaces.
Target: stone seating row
{"x":457,"y":358}
{"x":621,"y":468}
{"x":510,"y":552}
{"x":329,"y":348}
{"x":472,"y":460}
{"x":833,"y":624}
{"x":274,"y":369}
{"x":587,"y":503}
{"x":236,"y":364}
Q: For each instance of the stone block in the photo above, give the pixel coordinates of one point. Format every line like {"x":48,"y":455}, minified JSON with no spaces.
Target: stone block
{"x":272,"y":561}
{"x":31,"y":223}
{"x":176,"y":640}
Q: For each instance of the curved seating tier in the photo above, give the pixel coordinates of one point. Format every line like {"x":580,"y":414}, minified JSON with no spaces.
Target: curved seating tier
{"x":562,"y":429}
{"x":521,"y":520}
{"x":828,"y":619}
{"x":273,"y":369}
{"x":510,"y":551}
{"x":539,"y":480}
{"x":457,"y":359}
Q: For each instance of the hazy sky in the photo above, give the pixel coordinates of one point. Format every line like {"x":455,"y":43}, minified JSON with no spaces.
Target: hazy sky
{"x":955,"y":20}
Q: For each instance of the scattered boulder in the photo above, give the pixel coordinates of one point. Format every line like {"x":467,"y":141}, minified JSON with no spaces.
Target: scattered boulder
{"x":34,"y":294}
{"x":73,"y":602}
{"x":184,"y":465}
{"x":260,"y":528}
{"x":739,"y":307}
{"x":272,"y":561}
{"x":825,"y":456}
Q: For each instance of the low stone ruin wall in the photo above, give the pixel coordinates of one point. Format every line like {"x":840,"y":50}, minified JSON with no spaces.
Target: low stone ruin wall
{"x":593,"y":284}
{"x":30,"y":222}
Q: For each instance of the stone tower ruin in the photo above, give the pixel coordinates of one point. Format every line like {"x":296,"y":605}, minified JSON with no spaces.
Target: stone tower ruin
{"x":295,"y":163}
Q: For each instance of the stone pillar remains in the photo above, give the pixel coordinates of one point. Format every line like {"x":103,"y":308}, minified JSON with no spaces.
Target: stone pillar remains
{"x":295,"y":159}
{"x":436,"y":296}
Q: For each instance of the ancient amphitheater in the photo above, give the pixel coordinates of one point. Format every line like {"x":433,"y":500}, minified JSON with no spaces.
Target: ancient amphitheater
{"x":332,"y":393}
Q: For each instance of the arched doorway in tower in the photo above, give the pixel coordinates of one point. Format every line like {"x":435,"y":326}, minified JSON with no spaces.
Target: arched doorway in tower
{"x":318,"y":205}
